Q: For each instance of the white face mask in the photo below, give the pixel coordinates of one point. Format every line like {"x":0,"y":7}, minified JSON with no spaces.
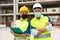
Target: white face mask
{"x":37,"y":14}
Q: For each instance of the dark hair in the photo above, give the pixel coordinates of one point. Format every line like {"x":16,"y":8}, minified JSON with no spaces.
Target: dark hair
{"x":37,"y":7}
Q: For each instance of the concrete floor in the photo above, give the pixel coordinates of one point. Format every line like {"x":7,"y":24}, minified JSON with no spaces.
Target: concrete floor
{"x":6,"y":35}
{"x":55,"y":33}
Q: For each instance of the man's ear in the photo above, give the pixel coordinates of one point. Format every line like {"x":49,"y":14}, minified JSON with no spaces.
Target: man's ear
{"x":33,"y":10}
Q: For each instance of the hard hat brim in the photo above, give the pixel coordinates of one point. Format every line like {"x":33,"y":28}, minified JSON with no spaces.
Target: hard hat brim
{"x":37,"y":7}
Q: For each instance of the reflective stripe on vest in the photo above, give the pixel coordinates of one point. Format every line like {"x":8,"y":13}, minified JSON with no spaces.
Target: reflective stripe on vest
{"x":43,"y":36}
{"x":23,"y":25}
{"x":20,"y":38}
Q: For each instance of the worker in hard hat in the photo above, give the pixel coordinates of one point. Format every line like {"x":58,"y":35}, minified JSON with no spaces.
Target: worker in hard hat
{"x":23,"y":25}
{"x":41,"y":23}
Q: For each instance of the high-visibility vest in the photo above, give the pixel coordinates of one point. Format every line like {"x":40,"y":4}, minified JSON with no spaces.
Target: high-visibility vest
{"x":23,"y":25}
{"x":41,"y":23}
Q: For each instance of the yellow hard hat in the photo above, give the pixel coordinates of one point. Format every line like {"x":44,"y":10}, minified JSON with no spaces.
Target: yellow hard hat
{"x":24,"y":9}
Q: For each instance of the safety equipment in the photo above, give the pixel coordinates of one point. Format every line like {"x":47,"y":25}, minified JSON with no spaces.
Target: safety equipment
{"x":37,"y":5}
{"x":24,"y":9}
{"x":24,"y":27}
{"x":37,"y":14}
{"x":41,"y":23}
{"x":24,"y":16}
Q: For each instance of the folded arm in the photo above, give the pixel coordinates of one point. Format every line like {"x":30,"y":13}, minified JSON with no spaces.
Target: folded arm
{"x":21,"y":35}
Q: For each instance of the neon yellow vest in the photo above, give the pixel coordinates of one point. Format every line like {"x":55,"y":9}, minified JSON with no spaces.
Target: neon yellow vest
{"x":40,"y":23}
{"x":23,"y":25}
